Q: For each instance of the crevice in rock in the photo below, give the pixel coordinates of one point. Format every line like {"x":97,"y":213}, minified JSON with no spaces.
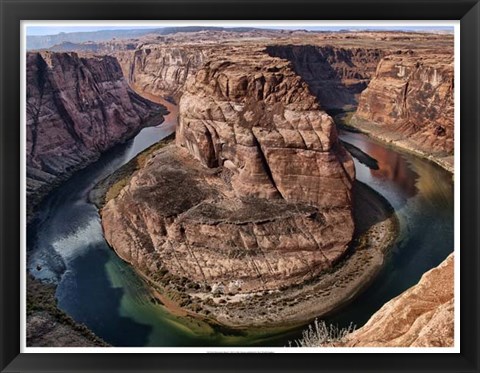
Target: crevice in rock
{"x":265,"y":164}
{"x":212,"y":161}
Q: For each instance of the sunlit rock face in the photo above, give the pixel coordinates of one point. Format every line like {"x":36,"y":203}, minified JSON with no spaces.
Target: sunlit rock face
{"x":422,"y":316}
{"x":254,"y":195}
{"x":160,"y":70}
{"x":76,"y":109}
{"x":257,"y":118}
{"x":335,"y":75}
{"x":412,"y":95}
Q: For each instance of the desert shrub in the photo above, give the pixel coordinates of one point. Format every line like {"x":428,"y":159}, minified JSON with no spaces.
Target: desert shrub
{"x":319,"y":334}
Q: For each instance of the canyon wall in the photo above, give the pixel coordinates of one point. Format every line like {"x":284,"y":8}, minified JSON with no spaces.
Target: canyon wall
{"x":335,"y":75}
{"x":410,"y":101}
{"x":76,"y":109}
{"x":160,"y":70}
{"x":255,"y":195}
{"x":422,"y":316}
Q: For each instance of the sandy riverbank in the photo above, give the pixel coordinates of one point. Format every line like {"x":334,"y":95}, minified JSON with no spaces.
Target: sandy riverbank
{"x":383,"y":133}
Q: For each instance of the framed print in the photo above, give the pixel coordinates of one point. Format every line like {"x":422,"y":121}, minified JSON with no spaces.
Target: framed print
{"x":189,"y":181}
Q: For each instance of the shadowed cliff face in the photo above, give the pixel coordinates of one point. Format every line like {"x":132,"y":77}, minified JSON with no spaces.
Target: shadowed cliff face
{"x":336,"y":76}
{"x":255,"y":195}
{"x":412,"y":95}
{"x":76,"y":109}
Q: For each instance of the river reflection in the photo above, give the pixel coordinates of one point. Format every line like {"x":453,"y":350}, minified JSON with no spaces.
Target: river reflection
{"x":393,"y":167}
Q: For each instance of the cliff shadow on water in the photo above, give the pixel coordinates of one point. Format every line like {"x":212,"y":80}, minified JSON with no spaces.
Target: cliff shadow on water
{"x":87,"y":297}
{"x":422,"y":195}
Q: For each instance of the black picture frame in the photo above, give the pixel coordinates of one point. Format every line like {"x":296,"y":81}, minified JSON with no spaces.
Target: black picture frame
{"x":12,"y":12}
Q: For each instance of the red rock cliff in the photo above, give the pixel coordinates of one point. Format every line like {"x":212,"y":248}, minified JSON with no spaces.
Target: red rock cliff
{"x":410,"y":101}
{"x":336,"y":75}
{"x":76,"y":109}
{"x":161,"y":70}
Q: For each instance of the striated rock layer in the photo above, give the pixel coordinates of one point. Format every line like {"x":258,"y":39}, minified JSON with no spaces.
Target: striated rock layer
{"x":410,"y":102}
{"x":76,"y":109}
{"x":254,"y":196}
{"x":402,"y":83}
{"x":161,"y":70}
{"x":422,"y":316}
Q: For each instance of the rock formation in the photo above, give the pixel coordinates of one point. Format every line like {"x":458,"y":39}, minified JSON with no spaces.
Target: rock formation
{"x":410,"y":102}
{"x":160,"y":70}
{"x":422,"y":316}
{"x":256,"y":194}
{"x":76,"y":109}
{"x":409,"y":99}
{"x":255,"y":198}
{"x":328,"y":62}
{"x":336,"y":75}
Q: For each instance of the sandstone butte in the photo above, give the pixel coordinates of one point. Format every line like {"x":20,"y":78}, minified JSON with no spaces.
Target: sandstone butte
{"x":422,"y":316}
{"x":77,"y":108}
{"x":254,"y":196}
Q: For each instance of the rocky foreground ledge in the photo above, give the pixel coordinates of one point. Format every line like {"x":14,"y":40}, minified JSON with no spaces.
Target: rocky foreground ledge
{"x":246,"y":219}
{"x":422,"y":316}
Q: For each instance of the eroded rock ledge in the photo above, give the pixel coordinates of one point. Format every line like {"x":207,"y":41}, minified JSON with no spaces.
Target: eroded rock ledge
{"x":255,"y":196}
{"x":422,"y":316}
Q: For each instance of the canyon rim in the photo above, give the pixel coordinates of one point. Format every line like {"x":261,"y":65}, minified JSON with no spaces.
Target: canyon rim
{"x":226,"y":186}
